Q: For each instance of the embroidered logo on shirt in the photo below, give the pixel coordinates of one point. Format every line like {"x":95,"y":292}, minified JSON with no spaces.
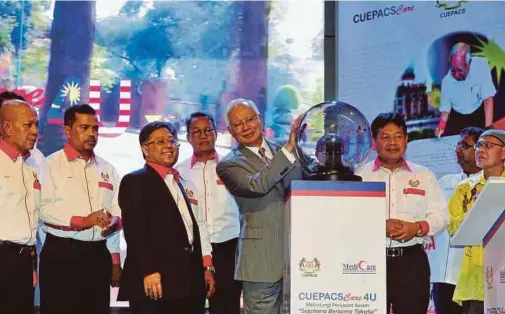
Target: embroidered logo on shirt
{"x":36,"y":182}
{"x":190,"y":193}
{"x":105,"y":177}
{"x":414,"y":183}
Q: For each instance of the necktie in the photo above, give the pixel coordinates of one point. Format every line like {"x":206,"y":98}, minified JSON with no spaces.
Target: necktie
{"x":262,"y":152}
{"x":175,"y":173}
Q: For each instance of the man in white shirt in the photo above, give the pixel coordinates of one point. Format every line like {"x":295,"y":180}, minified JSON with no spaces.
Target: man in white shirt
{"x":257,"y":173}
{"x":19,"y":207}
{"x":467,"y":92}
{"x":81,"y":218}
{"x":416,"y":209}
{"x":217,"y":207}
{"x":445,"y":262}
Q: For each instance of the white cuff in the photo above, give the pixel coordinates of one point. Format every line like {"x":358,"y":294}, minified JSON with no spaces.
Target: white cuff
{"x":289,"y":155}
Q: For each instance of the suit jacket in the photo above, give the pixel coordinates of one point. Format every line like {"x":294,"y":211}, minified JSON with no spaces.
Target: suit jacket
{"x":156,"y":238}
{"x":259,"y":191}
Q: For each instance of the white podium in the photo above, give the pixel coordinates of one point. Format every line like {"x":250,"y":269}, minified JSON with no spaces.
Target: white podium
{"x":484,"y":225}
{"x":335,"y":257}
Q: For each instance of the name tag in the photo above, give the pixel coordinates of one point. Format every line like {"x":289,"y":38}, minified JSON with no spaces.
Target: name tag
{"x":105,"y":185}
{"x":414,"y":191}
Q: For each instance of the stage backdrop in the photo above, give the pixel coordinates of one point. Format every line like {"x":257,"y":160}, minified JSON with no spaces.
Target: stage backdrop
{"x":393,"y":56}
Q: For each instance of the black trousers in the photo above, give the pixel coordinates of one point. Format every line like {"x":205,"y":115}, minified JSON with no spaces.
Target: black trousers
{"x":442,"y":298}
{"x":408,"y":281}
{"x":75,"y":276}
{"x":192,"y":303}
{"x":473,"y":307}
{"x":16,"y":280}
{"x":226,"y":299}
{"x":457,"y":121}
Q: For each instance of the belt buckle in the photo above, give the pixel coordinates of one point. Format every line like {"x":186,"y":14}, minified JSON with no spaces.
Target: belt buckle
{"x":394,"y":252}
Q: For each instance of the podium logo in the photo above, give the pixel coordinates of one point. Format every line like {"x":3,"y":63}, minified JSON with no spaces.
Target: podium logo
{"x":360,"y":267}
{"x":309,"y":268}
{"x":489,"y":277}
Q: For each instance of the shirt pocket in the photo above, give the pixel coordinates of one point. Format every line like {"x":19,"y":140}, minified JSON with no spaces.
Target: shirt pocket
{"x":106,"y":190}
{"x":415,"y":202}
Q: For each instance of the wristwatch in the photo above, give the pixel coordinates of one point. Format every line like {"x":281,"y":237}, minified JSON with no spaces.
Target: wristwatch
{"x":210,"y":268}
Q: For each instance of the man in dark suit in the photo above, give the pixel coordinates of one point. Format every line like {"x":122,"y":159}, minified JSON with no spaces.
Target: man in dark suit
{"x":163,"y":270}
{"x":258,"y":174}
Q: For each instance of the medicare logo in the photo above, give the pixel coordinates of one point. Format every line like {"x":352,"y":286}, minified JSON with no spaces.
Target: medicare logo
{"x":361,"y":267}
{"x":451,"y":8}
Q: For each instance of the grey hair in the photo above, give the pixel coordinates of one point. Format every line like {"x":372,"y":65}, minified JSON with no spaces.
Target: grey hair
{"x":239,"y":101}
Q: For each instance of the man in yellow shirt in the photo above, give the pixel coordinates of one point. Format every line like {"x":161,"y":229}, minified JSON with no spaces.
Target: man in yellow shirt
{"x":489,"y":156}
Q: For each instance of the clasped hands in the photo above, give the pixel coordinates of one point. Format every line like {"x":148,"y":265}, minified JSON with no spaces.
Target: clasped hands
{"x":400,"y":230}
{"x":102,"y":219}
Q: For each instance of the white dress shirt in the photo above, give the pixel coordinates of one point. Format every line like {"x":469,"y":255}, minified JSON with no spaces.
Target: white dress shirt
{"x":412,"y":194}
{"x":179,"y":199}
{"x":19,"y":196}
{"x":467,"y":95}
{"x":74,"y":188}
{"x":176,"y":193}
{"x":216,"y":206}
{"x":445,"y":261}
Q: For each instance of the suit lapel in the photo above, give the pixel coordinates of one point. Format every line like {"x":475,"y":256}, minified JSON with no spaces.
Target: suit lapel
{"x":250,"y":158}
{"x":168,"y":195}
{"x":196,"y":234}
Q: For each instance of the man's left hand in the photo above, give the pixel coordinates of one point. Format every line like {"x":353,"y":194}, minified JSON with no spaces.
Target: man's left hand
{"x":210,"y":283}
{"x":116,"y":275}
{"x":406,"y":232}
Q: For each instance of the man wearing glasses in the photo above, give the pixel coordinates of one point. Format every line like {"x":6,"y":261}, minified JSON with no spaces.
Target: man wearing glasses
{"x":164,"y":271}
{"x":467,"y":92}
{"x":489,"y":155}
{"x":445,"y":262}
{"x":258,"y":173}
{"x":217,"y":207}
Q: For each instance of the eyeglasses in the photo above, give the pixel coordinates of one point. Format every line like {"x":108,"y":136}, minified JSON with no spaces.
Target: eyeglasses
{"x":486,"y":145}
{"x":249,"y":121}
{"x":164,"y":142}
{"x":389,"y":138}
{"x":463,"y":145}
{"x":199,"y":132}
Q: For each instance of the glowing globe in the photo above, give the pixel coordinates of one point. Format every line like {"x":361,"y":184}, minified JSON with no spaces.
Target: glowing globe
{"x":333,"y":140}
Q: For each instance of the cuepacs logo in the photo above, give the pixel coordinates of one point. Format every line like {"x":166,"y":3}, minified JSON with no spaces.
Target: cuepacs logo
{"x":309,"y":268}
{"x":360,"y":267}
{"x":451,"y":8}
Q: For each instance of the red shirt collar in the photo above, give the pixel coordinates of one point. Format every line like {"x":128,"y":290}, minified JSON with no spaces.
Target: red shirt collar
{"x":164,"y":171}
{"x":11,"y":151}
{"x":72,"y":153}
{"x":214,"y":156}
{"x":377,"y":164}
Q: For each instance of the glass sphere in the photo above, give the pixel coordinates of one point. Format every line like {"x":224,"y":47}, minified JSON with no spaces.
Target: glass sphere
{"x":333,"y":137}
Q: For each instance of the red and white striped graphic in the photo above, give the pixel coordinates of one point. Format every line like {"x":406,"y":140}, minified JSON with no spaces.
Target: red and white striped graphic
{"x":124,"y":107}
